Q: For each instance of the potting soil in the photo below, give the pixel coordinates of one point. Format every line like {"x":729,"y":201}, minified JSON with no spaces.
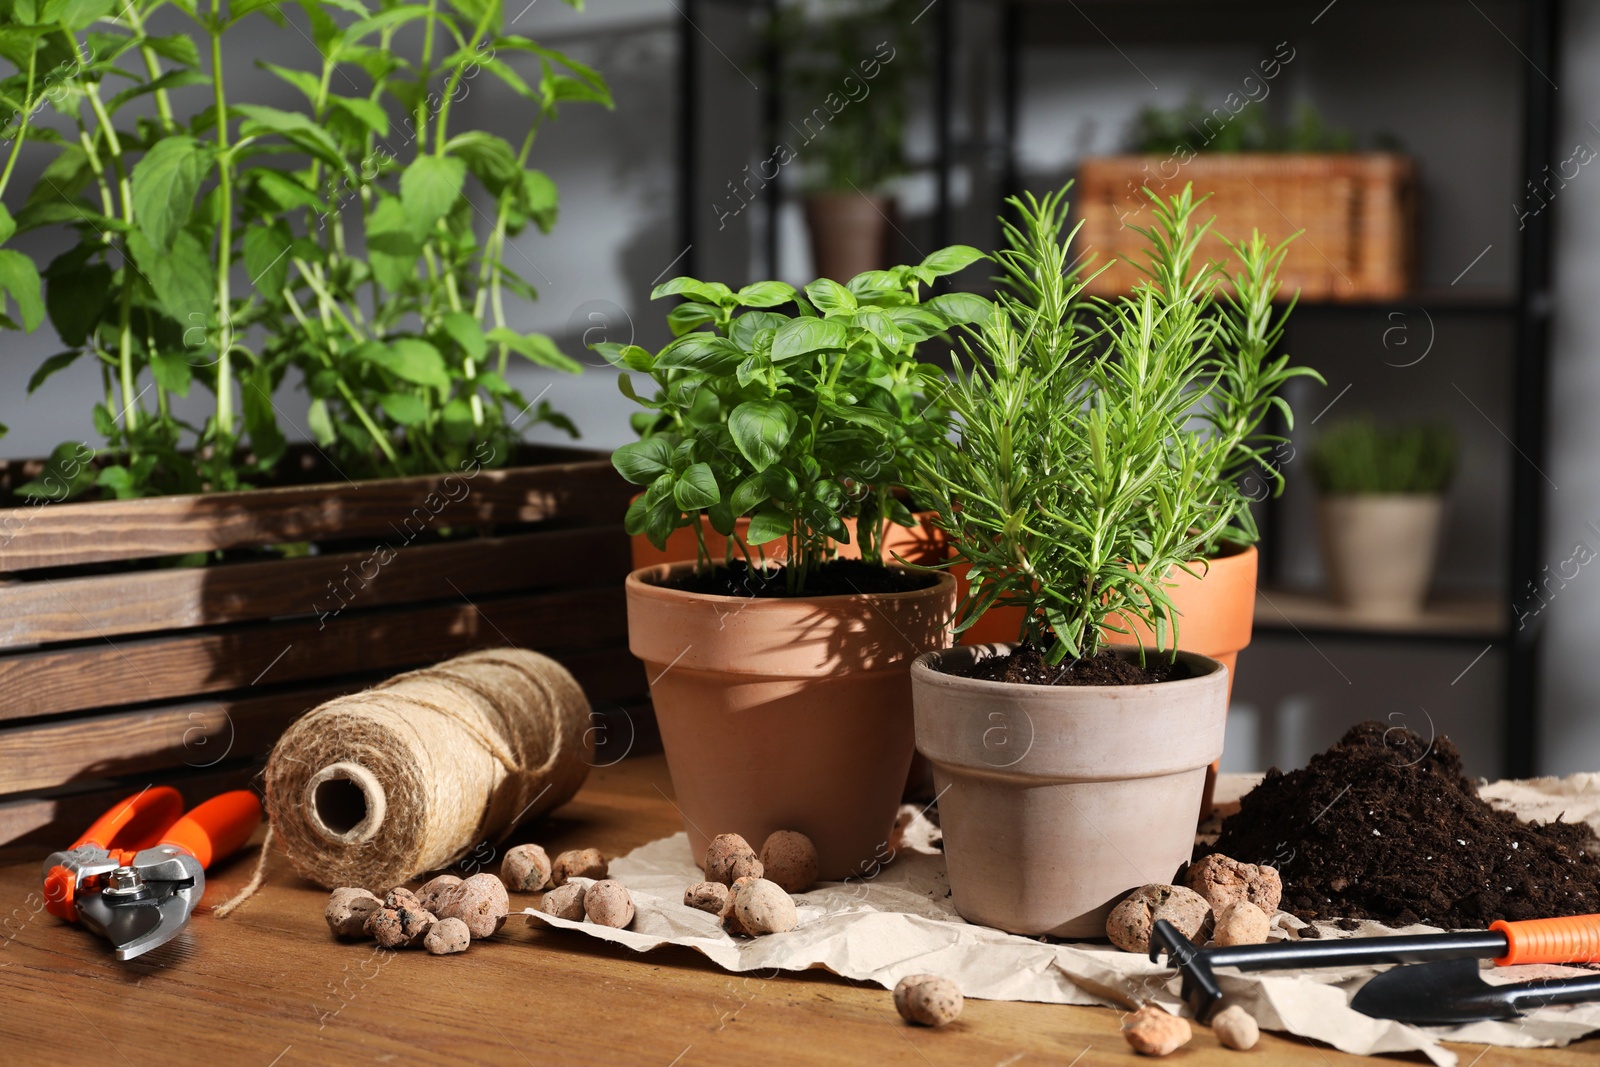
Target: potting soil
{"x":1026,"y":666}
{"x":839,"y":577}
{"x":1384,"y":825}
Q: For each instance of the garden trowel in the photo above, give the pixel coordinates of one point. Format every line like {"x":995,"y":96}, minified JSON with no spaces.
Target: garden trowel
{"x":1451,"y":993}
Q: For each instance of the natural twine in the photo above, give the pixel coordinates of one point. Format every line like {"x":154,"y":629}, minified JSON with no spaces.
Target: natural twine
{"x":375,"y":788}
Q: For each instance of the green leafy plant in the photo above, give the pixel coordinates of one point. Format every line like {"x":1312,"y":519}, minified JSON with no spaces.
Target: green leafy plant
{"x":1360,"y":456}
{"x":340,"y":240}
{"x":797,"y":422}
{"x":1193,"y":127}
{"x":1082,"y":480}
{"x":847,"y":69}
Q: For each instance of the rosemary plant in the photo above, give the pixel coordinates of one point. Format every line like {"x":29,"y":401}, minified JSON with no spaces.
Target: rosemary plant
{"x":1081,"y":481}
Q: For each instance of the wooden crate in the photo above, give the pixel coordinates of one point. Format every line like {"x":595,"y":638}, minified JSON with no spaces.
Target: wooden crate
{"x":1358,"y":213}
{"x":119,"y":668}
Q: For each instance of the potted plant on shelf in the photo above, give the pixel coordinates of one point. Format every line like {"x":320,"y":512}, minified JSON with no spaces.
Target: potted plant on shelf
{"x":1069,"y":769}
{"x":1357,"y":209}
{"x":782,"y":691}
{"x":355,"y":244}
{"x":1382,"y":500}
{"x":847,"y":68}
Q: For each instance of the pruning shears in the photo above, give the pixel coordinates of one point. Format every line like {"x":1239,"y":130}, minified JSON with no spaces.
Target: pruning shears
{"x":136,"y":875}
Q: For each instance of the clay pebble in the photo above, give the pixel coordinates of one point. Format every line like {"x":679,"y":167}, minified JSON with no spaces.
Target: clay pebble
{"x":400,"y":927}
{"x":789,"y":859}
{"x":1130,"y":922}
{"x":480,"y":901}
{"x":431,"y":894}
{"x":1236,"y":1028}
{"x":402,"y":899}
{"x":730,"y":916}
{"x":729,"y":857}
{"x":712,"y":897}
{"x":1223,"y":881}
{"x":578,"y":863}
{"x":447,"y":936}
{"x":1152,"y":1032}
{"x":1241,"y":923}
{"x":927,"y":999}
{"x":526,"y":869}
{"x":564,"y":902}
{"x":348,"y":909}
{"x":607,"y":903}
{"x":764,"y":908}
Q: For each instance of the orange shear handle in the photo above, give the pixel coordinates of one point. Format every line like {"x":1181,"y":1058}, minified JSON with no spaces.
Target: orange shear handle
{"x":217,"y":827}
{"x":137,"y":822}
{"x":1574,"y":939}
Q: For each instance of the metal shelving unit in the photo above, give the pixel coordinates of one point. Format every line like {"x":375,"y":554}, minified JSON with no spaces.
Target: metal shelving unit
{"x":1526,"y":307}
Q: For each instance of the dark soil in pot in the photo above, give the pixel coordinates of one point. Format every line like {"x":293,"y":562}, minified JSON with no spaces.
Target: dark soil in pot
{"x":1384,"y":825}
{"x":1026,"y":666}
{"x":840,"y":577}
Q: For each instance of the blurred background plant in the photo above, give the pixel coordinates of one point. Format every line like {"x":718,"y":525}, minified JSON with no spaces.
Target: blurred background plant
{"x":228,"y":247}
{"x":1250,"y":129}
{"x":1360,"y":456}
{"x":852,"y":63}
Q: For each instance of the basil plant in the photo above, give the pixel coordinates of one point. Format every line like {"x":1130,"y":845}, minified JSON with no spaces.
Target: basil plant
{"x":797,"y":422}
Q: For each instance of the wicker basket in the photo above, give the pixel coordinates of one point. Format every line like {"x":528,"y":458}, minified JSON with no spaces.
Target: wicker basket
{"x":1357,"y":213}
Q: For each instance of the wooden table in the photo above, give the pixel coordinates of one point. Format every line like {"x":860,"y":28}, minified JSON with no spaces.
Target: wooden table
{"x":270,"y":986}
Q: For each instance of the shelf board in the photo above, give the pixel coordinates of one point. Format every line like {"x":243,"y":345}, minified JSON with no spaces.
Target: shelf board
{"x":1476,"y":616}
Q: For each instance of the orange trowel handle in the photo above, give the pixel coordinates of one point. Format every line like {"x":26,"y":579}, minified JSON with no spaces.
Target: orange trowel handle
{"x":217,"y":827}
{"x":1574,"y":939}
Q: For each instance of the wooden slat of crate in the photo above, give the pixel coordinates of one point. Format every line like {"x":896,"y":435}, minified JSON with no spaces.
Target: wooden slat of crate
{"x":203,"y":733}
{"x":53,"y":535}
{"x":40,"y":611}
{"x":1357,"y":211}
{"x":53,"y":681}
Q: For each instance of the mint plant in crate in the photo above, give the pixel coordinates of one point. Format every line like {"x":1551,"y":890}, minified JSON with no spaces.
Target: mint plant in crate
{"x":1069,"y":769}
{"x":357,"y":241}
{"x":780,"y":686}
{"x":202,"y":251}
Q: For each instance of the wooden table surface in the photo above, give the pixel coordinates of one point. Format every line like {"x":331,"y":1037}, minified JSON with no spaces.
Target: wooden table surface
{"x":270,"y":986}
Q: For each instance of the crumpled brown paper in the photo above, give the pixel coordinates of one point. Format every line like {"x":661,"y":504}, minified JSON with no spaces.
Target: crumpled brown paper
{"x":901,"y":921}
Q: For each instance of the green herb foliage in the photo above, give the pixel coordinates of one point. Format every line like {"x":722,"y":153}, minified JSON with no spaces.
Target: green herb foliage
{"x":1083,"y":477}
{"x":340,"y":239}
{"x":1359,"y":456}
{"x":847,"y":67}
{"x":1193,"y":127}
{"x":797,"y":422}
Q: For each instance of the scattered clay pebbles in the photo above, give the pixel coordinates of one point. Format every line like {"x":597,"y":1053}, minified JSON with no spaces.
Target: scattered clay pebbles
{"x":928,"y":999}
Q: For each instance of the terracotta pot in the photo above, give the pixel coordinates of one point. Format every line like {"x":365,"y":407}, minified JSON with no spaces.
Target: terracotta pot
{"x":1378,"y":549}
{"x":923,"y":543}
{"x":1057,"y":801}
{"x":1216,"y":613}
{"x":786,"y":714}
{"x":848,"y":233}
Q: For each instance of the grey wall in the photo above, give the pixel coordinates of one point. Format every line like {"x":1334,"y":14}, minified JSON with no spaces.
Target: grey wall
{"x":1571,"y":699}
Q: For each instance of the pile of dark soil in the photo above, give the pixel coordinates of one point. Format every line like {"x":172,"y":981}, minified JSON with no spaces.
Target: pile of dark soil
{"x":1026,"y":666}
{"x":1385,"y":826}
{"x":840,"y":577}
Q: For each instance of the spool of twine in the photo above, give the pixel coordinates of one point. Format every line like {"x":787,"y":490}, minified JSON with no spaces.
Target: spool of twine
{"x":377,"y":787}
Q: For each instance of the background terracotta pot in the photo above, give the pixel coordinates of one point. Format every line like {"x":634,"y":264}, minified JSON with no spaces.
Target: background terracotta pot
{"x":1378,"y":549}
{"x":786,"y":714}
{"x":1055,"y":801}
{"x":849,"y":232}
{"x":923,"y":543}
